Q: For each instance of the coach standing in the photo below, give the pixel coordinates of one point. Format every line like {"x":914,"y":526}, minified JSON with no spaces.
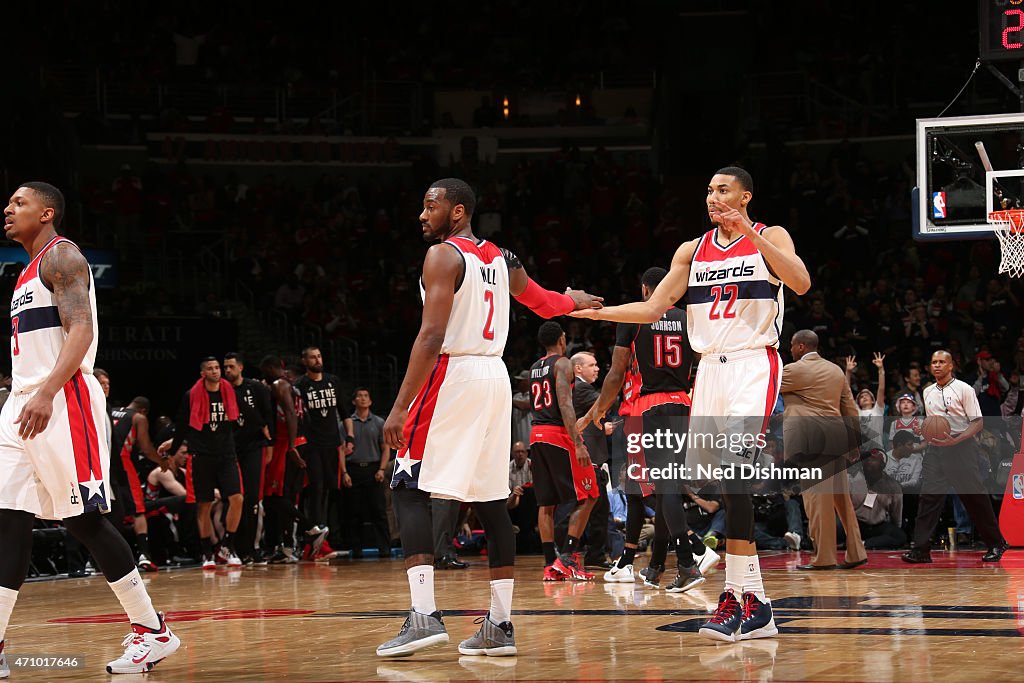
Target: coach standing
{"x":952,"y":462}
{"x":817,"y":396}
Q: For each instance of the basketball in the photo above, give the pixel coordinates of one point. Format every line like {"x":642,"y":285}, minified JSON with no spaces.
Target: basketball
{"x":935,"y":428}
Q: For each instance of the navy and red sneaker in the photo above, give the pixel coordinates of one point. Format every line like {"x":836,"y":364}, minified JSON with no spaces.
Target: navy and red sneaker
{"x":726,"y":620}
{"x":758,"y":620}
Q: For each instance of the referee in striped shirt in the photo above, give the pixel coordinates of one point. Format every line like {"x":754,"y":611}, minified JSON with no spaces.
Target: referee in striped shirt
{"x":953,"y":462}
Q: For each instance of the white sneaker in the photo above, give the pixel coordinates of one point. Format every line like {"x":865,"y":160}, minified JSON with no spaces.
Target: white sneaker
{"x":707,"y":562}
{"x":619,"y":574}
{"x":792,"y":540}
{"x":233,"y":560}
{"x":5,"y":671}
{"x":144,"y":649}
{"x":209,"y":563}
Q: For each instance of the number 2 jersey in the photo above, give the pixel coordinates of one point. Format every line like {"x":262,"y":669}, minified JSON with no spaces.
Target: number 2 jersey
{"x":733,"y":301}
{"x":478,"y":322}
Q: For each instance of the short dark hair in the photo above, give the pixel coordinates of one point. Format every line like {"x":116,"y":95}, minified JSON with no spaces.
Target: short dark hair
{"x":652,"y":277}
{"x":207,"y":360}
{"x":740,"y":174}
{"x":271,"y":361}
{"x":52,"y":198}
{"x":358,"y":389}
{"x":903,"y":437}
{"x":549,"y":334}
{"x":457,"y":191}
{"x":234,"y":355}
{"x":96,"y":372}
{"x":309,"y":348}
{"x":142,"y":402}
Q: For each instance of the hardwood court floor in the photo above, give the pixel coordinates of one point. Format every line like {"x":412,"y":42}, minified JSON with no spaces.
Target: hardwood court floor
{"x":956,"y":620}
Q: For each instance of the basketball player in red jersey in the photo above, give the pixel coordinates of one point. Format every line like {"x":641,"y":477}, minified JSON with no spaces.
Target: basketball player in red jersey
{"x":732,"y":277}
{"x":54,"y":453}
{"x":451,"y":421}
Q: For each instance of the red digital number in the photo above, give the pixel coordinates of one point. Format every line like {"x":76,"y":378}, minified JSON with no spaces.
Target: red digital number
{"x":1019,"y":16}
{"x":541,"y":395}
{"x":14,"y":336}
{"x":668,"y":350}
{"x":489,"y":325}
{"x":731,"y":293}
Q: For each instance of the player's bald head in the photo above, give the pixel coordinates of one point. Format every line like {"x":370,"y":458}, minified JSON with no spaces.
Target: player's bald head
{"x":806,"y":337}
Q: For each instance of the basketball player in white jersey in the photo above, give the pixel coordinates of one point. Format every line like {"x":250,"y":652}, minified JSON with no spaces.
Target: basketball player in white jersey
{"x":451,"y":421}
{"x":54,"y":455}
{"x":732,"y":277}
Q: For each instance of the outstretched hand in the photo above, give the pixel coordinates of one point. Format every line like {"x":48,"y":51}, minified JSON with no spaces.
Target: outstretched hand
{"x":583,"y":300}
{"x":879,"y":360}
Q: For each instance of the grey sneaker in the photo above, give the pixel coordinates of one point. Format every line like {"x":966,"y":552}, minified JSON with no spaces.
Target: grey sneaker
{"x":652,"y":575}
{"x":419,"y":632}
{"x":686,"y":578}
{"x":493,"y":640}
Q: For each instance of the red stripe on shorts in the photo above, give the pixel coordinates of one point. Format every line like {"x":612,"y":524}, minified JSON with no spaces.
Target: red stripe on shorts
{"x":773,"y":386}
{"x":584,"y":479}
{"x":84,"y":441}
{"x":190,"y":490}
{"x":417,"y":426}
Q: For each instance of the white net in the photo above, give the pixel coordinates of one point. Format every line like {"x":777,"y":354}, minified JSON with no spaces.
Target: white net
{"x":1008,"y":228}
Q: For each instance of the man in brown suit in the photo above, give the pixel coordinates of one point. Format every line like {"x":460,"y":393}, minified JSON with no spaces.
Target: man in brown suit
{"x":817,"y":398}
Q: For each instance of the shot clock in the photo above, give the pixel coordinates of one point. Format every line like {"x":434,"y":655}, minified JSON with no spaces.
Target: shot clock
{"x":1001,"y":28}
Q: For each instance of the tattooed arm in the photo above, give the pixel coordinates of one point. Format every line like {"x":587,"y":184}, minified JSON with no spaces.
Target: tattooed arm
{"x":66,"y":272}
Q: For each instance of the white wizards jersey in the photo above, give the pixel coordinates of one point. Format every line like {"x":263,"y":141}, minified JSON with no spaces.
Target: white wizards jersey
{"x":37,"y":335}
{"x":733,"y":302}
{"x":478,"y":323}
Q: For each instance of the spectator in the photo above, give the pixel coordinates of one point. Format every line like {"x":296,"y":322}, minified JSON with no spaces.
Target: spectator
{"x":912,"y":386}
{"x":878,"y":502}
{"x":522,"y":414}
{"x":991,"y":387}
{"x":905,"y":461}
{"x":522,"y":504}
{"x":872,"y":423}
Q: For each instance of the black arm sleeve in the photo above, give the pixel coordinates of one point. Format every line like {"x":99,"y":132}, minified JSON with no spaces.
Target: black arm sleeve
{"x":625,"y":333}
{"x":511,"y":260}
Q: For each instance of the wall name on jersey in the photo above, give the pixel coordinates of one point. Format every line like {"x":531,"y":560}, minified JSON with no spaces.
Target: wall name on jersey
{"x":667,"y":326}
{"x":489,"y":274}
{"x":741,"y":270}
{"x":25,"y":298}
{"x":540,"y":373}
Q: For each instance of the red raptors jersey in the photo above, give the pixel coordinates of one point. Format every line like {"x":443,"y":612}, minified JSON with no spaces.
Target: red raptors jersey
{"x":37,"y":335}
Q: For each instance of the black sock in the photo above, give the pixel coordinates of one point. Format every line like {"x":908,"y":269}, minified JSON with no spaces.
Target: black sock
{"x":683,"y":555}
{"x":697,"y":545}
{"x":628,"y":555}
{"x":207,"y":545}
{"x":549,"y":553}
{"x":572,"y":545}
{"x":142,"y":540}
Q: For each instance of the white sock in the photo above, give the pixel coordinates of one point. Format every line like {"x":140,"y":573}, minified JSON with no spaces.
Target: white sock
{"x":734,"y":571}
{"x":421,"y":586}
{"x":501,"y":600}
{"x":7,"y":600}
{"x":752,"y":577}
{"x":131,"y":591}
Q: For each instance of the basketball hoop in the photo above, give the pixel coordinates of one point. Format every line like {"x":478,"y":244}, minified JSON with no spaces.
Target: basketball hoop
{"x":1008,"y":225}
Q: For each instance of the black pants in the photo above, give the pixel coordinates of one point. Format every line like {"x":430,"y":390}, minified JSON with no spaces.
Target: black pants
{"x":365,"y":503}
{"x":956,"y":467}
{"x":250,"y":462}
{"x":445,"y":518}
{"x":883,"y":536}
{"x":322,"y":467}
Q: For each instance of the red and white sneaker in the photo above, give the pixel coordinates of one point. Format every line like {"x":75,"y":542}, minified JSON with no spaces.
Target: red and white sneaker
{"x":233,"y":560}
{"x":552,"y":574}
{"x":146,"y":564}
{"x":570,"y":567}
{"x":209,"y":564}
{"x":5,"y":671}
{"x":144,"y":649}
{"x":325,"y":553}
